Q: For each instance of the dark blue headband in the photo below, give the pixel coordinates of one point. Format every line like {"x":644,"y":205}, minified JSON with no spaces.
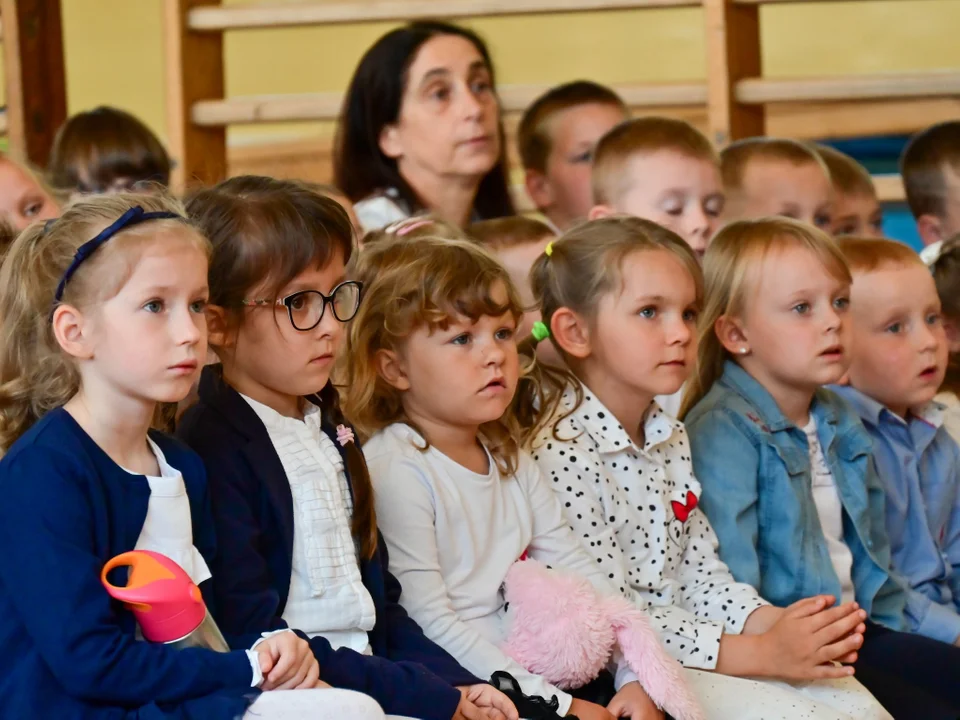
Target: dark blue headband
{"x":133,"y":216}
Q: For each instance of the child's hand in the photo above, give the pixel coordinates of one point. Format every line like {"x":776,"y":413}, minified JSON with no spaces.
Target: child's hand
{"x":493,"y":703}
{"x":805,"y":641}
{"x":633,"y":702}
{"x":293,"y":666}
{"x":589,"y":711}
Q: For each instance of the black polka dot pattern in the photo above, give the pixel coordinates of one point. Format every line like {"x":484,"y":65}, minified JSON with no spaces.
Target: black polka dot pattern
{"x":634,"y":510}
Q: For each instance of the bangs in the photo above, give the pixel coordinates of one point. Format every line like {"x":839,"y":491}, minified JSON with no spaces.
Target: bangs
{"x":472,"y":301}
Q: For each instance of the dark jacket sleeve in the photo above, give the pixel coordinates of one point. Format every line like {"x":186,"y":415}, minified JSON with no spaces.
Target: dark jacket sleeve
{"x":52,"y":572}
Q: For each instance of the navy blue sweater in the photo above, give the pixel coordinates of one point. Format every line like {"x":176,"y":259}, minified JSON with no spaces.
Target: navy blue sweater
{"x":253,"y":511}
{"x":69,"y":650}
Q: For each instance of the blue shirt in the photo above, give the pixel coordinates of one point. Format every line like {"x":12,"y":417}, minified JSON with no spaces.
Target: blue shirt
{"x":919,"y":467}
{"x":754,"y":468}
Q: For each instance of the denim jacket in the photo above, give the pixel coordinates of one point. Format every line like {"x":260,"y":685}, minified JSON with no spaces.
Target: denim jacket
{"x":754,"y":468}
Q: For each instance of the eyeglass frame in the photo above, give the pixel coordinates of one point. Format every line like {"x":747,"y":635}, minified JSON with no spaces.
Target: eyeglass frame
{"x":284,"y":302}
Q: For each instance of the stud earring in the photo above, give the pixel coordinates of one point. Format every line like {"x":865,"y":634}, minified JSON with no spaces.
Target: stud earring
{"x":743,"y":351}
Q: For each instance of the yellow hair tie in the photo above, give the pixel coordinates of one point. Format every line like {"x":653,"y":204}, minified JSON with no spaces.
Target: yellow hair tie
{"x":548,"y":250}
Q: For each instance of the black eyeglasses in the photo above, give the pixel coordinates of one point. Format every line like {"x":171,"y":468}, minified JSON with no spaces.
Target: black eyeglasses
{"x":306,"y":308}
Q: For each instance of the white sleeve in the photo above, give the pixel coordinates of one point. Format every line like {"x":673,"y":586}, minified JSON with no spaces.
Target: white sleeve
{"x":406,"y":517}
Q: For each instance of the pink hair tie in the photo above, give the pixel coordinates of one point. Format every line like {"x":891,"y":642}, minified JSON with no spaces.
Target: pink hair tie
{"x":344,"y":435}
{"x":412,"y":225}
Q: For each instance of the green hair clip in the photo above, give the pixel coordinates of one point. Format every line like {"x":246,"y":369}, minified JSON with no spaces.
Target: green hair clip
{"x":540,"y":331}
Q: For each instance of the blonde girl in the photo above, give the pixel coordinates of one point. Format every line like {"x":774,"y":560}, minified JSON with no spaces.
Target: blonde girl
{"x":102,"y":319}
{"x":785,"y":466}
{"x":432,"y":372}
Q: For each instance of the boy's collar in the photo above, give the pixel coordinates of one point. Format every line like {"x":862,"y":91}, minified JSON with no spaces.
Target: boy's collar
{"x":873,"y":411}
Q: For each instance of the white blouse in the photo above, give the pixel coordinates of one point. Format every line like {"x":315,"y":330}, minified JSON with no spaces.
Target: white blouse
{"x":635,"y":511}
{"x":327,"y":596}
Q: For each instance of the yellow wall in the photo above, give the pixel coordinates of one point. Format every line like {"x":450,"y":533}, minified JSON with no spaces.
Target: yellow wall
{"x":114,"y":51}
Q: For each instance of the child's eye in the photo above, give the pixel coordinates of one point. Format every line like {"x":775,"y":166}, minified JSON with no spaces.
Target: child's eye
{"x":648,"y":312}
{"x":154,"y":306}
{"x":584,"y":158}
{"x":461,"y":339}
{"x":895,"y":328}
{"x":32,"y":209}
{"x":504,"y":333}
{"x":801,"y":308}
{"x":933,"y":319}
{"x":690,"y":315}
{"x":822,"y":221}
{"x":841,"y":303}
{"x":198,"y":306}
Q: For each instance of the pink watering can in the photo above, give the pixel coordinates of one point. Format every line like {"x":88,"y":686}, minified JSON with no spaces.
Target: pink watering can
{"x":165,"y":601}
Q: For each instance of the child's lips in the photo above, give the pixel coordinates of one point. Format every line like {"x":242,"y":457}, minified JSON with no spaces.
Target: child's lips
{"x":494,"y":387}
{"x":929,"y":373}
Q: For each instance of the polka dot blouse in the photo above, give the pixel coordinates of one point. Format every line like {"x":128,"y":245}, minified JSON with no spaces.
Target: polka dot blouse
{"x":635,"y":510}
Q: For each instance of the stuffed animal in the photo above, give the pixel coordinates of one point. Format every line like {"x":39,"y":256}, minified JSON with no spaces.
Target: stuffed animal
{"x":561,"y":628}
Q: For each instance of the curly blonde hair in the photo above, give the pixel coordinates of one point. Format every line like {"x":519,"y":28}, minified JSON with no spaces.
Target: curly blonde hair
{"x":36,"y":376}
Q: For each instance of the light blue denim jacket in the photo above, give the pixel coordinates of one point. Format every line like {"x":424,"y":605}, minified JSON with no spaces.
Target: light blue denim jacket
{"x":754,"y":468}
{"x":918,"y":464}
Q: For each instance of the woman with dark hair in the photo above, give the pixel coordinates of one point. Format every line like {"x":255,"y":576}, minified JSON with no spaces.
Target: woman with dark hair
{"x":420,"y":129}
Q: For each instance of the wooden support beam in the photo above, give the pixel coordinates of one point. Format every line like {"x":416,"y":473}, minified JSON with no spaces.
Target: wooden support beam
{"x":326,"y":106}
{"x":733,"y":53}
{"x":257,"y":15}
{"x":933,"y":83}
{"x":36,"y":87}
{"x":194,"y":73}
{"x":860,"y":118}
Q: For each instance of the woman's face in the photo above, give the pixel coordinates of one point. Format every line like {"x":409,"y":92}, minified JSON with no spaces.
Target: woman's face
{"x":448,"y":122}
{"x":22,"y":200}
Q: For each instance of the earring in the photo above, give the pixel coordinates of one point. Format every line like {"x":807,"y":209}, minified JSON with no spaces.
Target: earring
{"x":743,"y":351}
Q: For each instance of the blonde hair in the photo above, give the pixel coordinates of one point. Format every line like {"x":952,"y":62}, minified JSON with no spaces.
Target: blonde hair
{"x":36,"y":376}
{"x":415,"y":283}
{"x":735,"y":158}
{"x":864,"y":255}
{"x":586,"y":264}
{"x":509,"y":232}
{"x":847,"y":175}
{"x":642,"y":136}
{"x":731,"y":269}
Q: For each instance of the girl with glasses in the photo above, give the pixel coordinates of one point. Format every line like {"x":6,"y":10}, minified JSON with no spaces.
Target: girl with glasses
{"x":298,"y":545}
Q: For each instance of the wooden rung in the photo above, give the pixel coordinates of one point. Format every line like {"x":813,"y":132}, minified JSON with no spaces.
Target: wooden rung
{"x":934,"y":83}
{"x":889,"y":188}
{"x":255,"y":15}
{"x":784,"y":2}
{"x":3,"y":122}
{"x":326,"y":106}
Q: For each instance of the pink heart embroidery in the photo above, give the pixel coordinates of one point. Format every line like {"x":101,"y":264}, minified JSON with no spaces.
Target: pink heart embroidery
{"x":683,"y":511}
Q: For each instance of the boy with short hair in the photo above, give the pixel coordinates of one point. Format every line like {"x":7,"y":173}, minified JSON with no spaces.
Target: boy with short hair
{"x":556,"y":138}
{"x":775,"y":176}
{"x":660,"y":169}
{"x":930,"y":167}
{"x":856,"y":208}
{"x":898,"y":359}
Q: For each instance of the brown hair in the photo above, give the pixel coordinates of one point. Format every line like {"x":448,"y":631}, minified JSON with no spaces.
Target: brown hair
{"x":94,"y":150}
{"x":509,"y":232}
{"x":865,"y":255}
{"x":269,"y":231}
{"x":847,"y":175}
{"x":427,"y":281}
{"x":735,"y":157}
{"x":533,"y":135}
{"x":731,"y":268}
{"x":36,"y":376}
{"x":946,"y":276}
{"x":922,"y":164}
{"x":643,"y":135}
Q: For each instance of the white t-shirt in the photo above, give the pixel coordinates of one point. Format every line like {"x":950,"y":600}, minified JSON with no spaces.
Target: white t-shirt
{"x":830,"y":510}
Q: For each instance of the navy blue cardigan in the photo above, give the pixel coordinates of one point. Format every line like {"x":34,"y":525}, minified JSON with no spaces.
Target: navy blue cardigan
{"x":253,"y":511}
{"x":69,"y":650}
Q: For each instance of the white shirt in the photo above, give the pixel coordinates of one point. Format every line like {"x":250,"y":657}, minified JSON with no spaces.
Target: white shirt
{"x":379,"y":210}
{"x":327,"y":596}
{"x":627,"y":505}
{"x":453,"y":535}
{"x":670,"y":404}
{"x":830,"y":510}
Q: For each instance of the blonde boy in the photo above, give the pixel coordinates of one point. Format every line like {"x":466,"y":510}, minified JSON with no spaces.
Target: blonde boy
{"x":930,"y":166}
{"x":660,"y":169}
{"x":856,"y":208}
{"x":898,"y":360}
{"x":556,"y":138}
{"x":775,"y":176}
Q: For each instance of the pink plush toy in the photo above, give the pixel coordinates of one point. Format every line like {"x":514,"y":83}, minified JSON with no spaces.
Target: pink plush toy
{"x":561,"y":628}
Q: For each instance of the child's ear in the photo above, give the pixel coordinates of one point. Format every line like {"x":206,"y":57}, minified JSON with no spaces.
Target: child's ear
{"x":600,"y":211}
{"x":539,"y":189}
{"x":930,"y":229}
{"x":72,"y":331}
{"x":390,"y":142}
{"x":571,"y":333}
{"x":953,"y":335}
{"x":731,"y":336}
{"x":217,"y":327}
{"x":390,"y":368}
